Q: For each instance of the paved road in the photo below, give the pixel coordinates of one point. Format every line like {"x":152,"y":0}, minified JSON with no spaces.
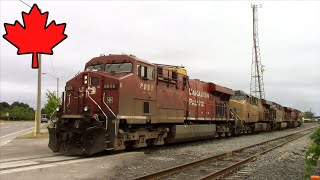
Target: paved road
{"x":10,"y":130}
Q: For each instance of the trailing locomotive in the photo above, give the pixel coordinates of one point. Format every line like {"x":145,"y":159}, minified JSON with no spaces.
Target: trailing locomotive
{"x":261,"y":115}
{"x":120,"y":101}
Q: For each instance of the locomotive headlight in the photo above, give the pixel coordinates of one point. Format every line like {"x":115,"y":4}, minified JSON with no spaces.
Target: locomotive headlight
{"x":85,"y":79}
{"x":86,"y":108}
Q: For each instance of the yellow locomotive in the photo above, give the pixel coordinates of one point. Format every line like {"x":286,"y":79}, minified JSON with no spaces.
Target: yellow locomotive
{"x":260,"y":115}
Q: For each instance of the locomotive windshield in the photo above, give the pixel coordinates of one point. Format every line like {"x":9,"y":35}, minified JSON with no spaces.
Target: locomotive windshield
{"x":119,"y":68}
{"x":96,"y":67}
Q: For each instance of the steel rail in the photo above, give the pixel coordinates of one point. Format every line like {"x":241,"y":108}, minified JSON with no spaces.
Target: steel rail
{"x":235,"y":166}
{"x":176,"y":169}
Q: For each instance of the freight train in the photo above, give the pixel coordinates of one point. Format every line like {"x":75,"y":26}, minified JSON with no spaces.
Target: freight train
{"x":121,"y":101}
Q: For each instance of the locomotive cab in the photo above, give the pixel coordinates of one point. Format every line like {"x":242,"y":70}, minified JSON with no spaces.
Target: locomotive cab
{"x":90,"y":114}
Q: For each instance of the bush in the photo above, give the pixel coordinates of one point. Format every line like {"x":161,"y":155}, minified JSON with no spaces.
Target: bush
{"x":313,"y":153}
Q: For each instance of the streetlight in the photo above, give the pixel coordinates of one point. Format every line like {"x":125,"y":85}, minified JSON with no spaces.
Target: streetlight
{"x":57,"y":82}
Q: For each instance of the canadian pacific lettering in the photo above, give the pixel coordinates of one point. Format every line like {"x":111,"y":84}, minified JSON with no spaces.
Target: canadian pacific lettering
{"x":198,"y":93}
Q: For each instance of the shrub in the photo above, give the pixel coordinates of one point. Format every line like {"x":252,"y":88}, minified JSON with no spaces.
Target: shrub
{"x":313,"y":153}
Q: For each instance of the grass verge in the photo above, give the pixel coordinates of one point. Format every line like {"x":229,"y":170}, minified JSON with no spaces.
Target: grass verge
{"x":43,"y":135}
{"x":11,"y":121}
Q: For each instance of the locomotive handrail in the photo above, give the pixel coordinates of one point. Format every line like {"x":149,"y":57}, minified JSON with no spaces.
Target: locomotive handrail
{"x":96,"y":104}
{"x":53,"y":113}
{"x":234,"y":114}
{"x":69,"y":100}
{"x":115,"y":124}
{"x":107,"y":105}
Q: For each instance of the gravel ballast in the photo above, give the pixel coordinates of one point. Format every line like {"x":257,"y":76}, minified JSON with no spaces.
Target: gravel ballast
{"x":286,"y":162}
{"x":160,"y":158}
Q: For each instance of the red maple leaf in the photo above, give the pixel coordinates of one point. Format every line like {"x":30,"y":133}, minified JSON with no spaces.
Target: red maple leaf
{"x":35,"y":37}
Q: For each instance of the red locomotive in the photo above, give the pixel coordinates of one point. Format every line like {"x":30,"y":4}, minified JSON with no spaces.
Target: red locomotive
{"x":120,"y":101}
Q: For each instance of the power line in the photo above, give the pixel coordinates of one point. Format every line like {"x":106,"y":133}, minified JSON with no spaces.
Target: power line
{"x":52,"y":67}
{"x":25,"y":3}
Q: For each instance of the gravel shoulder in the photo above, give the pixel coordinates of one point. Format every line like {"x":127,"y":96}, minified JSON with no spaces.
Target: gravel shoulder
{"x":160,"y":158}
{"x":286,"y":162}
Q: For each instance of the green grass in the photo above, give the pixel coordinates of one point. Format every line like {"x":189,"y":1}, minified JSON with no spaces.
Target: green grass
{"x":43,"y":135}
{"x":11,"y":121}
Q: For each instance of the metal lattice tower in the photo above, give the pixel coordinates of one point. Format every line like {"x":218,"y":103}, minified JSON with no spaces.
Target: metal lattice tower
{"x":256,"y":84}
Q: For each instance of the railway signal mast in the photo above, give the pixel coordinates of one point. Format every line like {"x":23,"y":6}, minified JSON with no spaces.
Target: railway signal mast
{"x":256,"y":84}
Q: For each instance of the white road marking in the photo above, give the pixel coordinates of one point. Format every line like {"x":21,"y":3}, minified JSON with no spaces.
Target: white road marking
{"x":5,"y":142}
{"x":26,"y":168}
{"x":56,"y":158}
{"x":17,"y":164}
{"x":68,"y":161}
{"x":34,"y":161}
{"x":24,"y":158}
{"x":16,"y":132}
{"x":43,"y":165}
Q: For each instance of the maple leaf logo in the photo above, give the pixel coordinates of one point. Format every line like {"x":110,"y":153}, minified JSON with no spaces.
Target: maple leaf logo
{"x":35,"y":37}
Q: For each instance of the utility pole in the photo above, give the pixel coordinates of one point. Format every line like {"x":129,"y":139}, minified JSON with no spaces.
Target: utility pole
{"x":256,"y":84}
{"x":39,"y":96}
{"x":57,"y":88}
{"x":38,"y":112}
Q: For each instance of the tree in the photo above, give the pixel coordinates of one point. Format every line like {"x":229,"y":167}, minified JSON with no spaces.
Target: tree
{"x":52,"y":103}
{"x":308,"y":115}
{"x":3,"y":106}
{"x":17,"y":111}
{"x":21,"y":113}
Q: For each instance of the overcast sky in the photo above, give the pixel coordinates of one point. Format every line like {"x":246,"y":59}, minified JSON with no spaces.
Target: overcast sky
{"x":213,"y":40}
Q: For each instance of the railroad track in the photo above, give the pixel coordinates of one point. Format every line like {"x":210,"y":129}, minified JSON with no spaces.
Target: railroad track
{"x":220,"y":166}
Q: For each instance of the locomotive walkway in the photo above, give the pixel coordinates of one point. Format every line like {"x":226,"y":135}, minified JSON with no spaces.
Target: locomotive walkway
{"x":220,"y":166}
